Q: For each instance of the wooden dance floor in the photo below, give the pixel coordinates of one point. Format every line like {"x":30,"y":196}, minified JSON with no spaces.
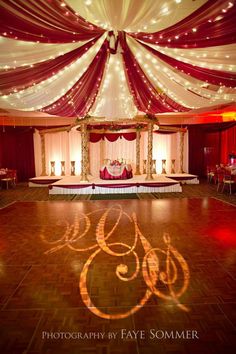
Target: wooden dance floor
{"x":140,"y":277}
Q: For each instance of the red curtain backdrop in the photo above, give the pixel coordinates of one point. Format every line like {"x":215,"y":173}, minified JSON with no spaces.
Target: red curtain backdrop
{"x":228,"y":143}
{"x":210,"y":145}
{"x":17,"y":151}
{"x":95,"y":137}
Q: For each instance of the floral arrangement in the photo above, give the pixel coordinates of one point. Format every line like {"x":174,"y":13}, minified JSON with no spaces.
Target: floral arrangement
{"x":115,"y":163}
{"x":151,"y":117}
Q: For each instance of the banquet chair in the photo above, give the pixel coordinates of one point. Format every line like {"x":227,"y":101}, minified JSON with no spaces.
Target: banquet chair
{"x":219,"y":178}
{"x":211,"y":174}
{"x":228,"y":181}
{"x":10,"y":179}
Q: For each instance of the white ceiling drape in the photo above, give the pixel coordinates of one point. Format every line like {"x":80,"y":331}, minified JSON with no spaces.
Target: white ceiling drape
{"x":114,"y":100}
{"x":19,"y":53}
{"x":50,"y":90}
{"x":174,"y":83}
{"x":136,"y":15}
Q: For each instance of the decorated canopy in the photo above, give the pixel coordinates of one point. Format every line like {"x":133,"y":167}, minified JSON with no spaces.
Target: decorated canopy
{"x":117,"y":59}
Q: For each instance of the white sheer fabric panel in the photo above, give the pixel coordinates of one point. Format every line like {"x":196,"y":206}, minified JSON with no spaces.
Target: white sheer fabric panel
{"x":114,"y":99}
{"x":119,"y":149}
{"x":173,"y":83}
{"x":216,"y":58}
{"x":59,"y":147}
{"x":50,"y":90}
{"x":19,"y":53}
{"x":56,"y":146}
{"x":95,"y":157}
{"x":66,"y":147}
{"x":167,"y":147}
{"x":136,"y":15}
{"x":37,"y":153}
{"x":74,"y":150}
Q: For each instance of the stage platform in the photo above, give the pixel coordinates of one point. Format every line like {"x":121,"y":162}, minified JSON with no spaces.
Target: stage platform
{"x":137,"y":184}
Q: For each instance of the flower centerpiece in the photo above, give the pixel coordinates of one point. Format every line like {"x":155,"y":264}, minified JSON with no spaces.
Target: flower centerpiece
{"x":115,"y":163}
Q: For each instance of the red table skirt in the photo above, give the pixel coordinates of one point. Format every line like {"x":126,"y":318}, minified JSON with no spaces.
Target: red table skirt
{"x":104,"y":174}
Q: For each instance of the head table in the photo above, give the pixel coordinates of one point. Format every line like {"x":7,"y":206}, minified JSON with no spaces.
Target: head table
{"x":116,"y":171}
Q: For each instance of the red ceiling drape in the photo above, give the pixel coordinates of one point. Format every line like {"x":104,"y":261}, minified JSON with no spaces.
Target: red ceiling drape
{"x":80,"y":98}
{"x":215,"y":77}
{"x":44,"y":21}
{"x":23,"y":77}
{"x":53,"y":21}
{"x":146,"y":97}
{"x":213,"y":24}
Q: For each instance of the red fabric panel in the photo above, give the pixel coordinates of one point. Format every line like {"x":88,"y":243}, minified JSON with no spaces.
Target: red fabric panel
{"x":210,"y":145}
{"x":210,"y":32}
{"x":95,"y":137}
{"x":104,"y":174}
{"x":146,"y":97}
{"x":164,"y":132}
{"x":215,"y":77}
{"x":17,"y":151}
{"x":129,"y":136}
{"x":228,"y":143}
{"x":84,"y":92}
{"x":44,"y":21}
{"x":23,"y":77}
{"x":196,"y":150}
{"x":112,"y":137}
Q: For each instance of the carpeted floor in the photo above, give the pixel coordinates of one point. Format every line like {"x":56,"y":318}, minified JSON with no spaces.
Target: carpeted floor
{"x":23,"y":193}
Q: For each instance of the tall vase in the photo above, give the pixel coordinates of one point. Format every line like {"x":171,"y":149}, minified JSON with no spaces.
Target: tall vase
{"x":52,"y":168}
{"x":72,"y":168}
{"x":163,"y":167}
{"x":173,"y":166}
{"x":62,"y":168}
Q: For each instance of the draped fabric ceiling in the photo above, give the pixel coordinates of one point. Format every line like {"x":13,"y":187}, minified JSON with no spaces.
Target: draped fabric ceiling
{"x":116,"y":59}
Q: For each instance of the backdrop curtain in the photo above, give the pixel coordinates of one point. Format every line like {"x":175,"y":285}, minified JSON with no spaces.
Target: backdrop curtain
{"x":66,"y":146}
{"x":228,"y":143}
{"x":62,"y":146}
{"x":17,"y":151}
{"x":167,"y":147}
{"x":209,"y":145}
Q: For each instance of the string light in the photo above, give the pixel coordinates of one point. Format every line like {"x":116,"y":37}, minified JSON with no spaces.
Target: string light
{"x":189,"y":86}
{"x":43,"y":88}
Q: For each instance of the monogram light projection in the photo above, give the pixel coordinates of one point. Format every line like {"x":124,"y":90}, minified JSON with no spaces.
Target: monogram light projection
{"x":163,"y":270}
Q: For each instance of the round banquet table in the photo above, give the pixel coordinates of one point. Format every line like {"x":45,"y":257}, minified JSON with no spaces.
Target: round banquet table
{"x":109,"y":172}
